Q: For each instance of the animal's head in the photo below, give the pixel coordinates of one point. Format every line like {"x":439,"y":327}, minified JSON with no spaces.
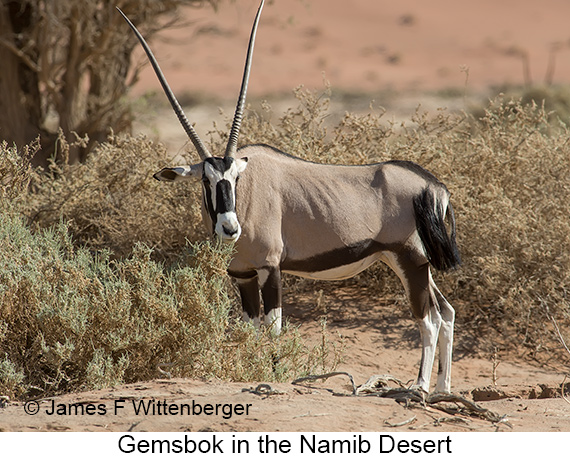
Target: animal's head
{"x":219,"y":175}
{"x":219,"y":178}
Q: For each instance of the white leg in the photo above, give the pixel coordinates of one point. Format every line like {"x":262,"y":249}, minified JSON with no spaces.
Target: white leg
{"x":273,"y":320}
{"x":429,"y":330}
{"x":445,"y":342}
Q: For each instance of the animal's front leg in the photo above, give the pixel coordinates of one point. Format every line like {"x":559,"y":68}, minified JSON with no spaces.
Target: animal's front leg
{"x":270,"y":282}
{"x":250,"y":300}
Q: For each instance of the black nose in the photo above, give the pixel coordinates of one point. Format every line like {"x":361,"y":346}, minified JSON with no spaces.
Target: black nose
{"x":229,"y":231}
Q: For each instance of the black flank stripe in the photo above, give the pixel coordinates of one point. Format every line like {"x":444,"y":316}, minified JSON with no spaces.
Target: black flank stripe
{"x":335,"y":258}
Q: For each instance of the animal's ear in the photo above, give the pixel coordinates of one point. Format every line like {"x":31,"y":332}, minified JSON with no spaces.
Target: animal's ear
{"x":177,"y":173}
{"x":241,"y":164}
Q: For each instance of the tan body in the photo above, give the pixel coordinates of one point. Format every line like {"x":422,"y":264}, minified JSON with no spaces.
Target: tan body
{"x":308,"y":209}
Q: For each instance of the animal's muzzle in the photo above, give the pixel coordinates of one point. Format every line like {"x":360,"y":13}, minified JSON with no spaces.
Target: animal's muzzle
{"x":227,"y":227}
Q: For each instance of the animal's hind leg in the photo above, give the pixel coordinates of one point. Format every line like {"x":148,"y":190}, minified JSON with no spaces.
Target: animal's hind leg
{"x":416,"y":281}
{"x":445,"y":341}
{"x":250,"y":299}
{"x":423,"y":301}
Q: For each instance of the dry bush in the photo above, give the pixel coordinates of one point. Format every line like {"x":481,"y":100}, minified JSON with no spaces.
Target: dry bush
{"x":510,"y":180}
{"x":111,"y":201}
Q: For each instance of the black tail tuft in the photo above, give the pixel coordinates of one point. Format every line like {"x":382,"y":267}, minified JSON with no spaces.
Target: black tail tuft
{"x":441,"y":247}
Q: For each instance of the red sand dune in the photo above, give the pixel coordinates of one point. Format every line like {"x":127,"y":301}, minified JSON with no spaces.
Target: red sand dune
{"x":365,"y":45}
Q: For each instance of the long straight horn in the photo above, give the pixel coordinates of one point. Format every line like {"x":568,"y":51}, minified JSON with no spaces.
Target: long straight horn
{"x":238,"y":116}
{"x":200,"y":147}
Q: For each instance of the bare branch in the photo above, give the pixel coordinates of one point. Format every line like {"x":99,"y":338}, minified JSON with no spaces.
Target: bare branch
{"x":18,"y":52}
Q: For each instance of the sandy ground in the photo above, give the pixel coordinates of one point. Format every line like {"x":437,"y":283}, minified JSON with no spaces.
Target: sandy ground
{"x":409,"y":48}
{"x":377,"y":338}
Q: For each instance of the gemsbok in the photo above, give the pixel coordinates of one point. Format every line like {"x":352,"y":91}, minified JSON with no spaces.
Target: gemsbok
{"x":287,"y":215}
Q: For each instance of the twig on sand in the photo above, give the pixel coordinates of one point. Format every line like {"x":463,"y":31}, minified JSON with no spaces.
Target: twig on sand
{"x":326,"y":376}
{"x":263,"y":390}
{"x":401,"y":424}
{"x":469,"y":408}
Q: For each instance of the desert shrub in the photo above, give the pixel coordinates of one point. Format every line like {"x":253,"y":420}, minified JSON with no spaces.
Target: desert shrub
{"x":510,"y":179}
{"x":71,"y":319}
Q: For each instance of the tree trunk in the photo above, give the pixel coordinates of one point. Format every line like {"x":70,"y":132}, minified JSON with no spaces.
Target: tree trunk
{"x":19,"y":98}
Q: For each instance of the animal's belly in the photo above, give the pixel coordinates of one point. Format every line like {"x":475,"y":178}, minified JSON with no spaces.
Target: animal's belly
{"x":340,"y":272}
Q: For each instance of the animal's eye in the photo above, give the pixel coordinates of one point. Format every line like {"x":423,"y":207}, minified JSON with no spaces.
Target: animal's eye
{"x":206,"y":181}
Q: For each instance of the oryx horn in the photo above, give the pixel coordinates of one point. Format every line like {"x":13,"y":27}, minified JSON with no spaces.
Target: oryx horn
{"x":238,"y":116}
{"x":200,"y":147}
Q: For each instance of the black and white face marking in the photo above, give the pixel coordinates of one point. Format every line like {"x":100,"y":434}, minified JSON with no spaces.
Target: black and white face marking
{"x":219,"y":178}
